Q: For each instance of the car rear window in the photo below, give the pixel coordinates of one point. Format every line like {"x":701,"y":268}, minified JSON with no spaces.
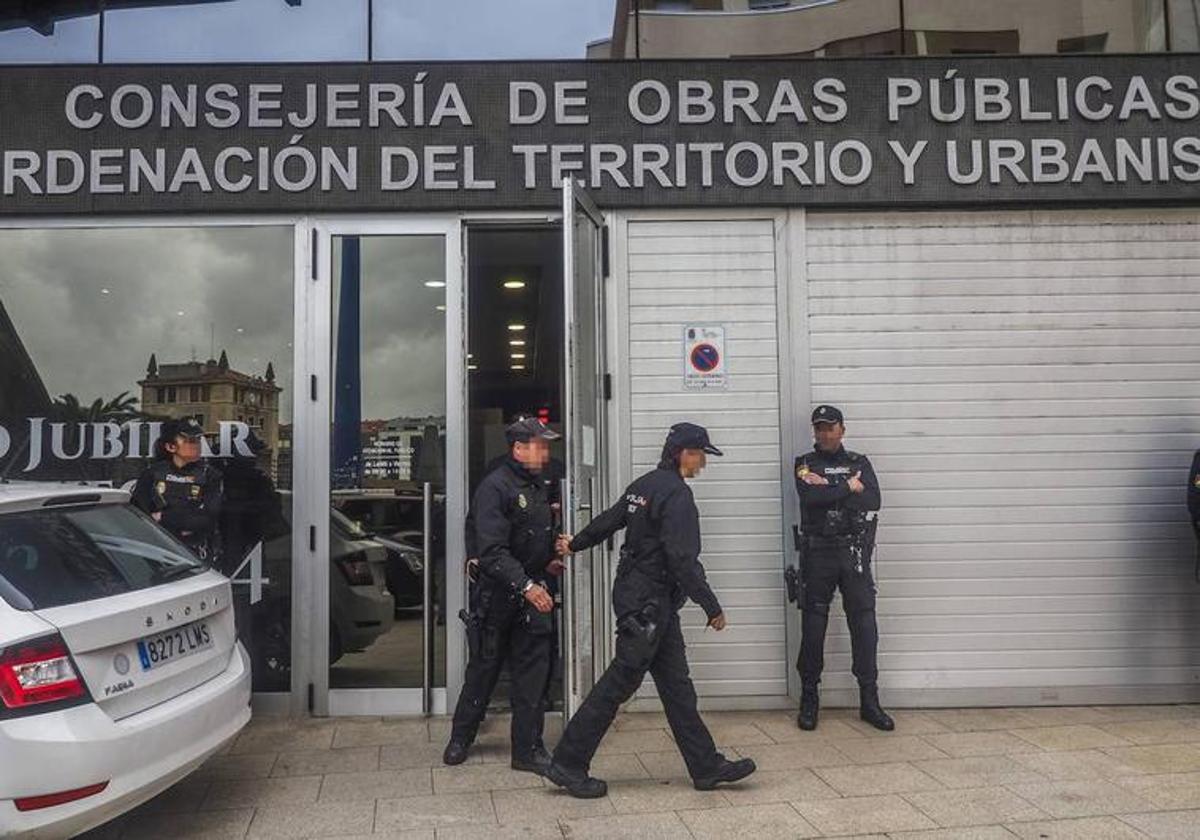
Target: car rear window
{"x":55,"y":557}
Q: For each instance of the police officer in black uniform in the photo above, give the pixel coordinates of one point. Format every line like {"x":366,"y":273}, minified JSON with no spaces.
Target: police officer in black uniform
{"x":181,"y":491}
{"x":659,"y":569}
{"x":837,"y":489}
{"x":512,"y":614}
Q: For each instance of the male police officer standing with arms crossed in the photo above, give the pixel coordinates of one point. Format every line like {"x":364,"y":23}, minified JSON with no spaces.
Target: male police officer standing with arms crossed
{"x":659,"y":569}
{"x":513,"y":619}
{"x":837,"y":490}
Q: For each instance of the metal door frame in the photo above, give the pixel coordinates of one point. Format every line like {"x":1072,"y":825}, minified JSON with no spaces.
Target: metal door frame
{"x":313,"y":679}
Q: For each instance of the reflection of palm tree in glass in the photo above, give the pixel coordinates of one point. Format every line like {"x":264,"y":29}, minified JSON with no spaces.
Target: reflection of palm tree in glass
{"x":121,"y":408}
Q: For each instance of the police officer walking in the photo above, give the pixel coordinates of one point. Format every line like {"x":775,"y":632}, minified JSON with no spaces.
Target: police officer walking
{"x":837,"y":489}
{"x":511,"y":618}
{"x":180,"y":491}
{"x":658,"y":571}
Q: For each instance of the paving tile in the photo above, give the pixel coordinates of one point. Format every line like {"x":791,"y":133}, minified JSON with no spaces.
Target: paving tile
{"x":768,"y":786}
{"x":539,"y":831}
{"x":1167,"y":825}
{"x":376,"y":784}
{"x":410,"y":812}
{"x":667,"y":826}
{"x":323,"y":820}
{"x":1081,"y":764}
{"x":648,"y":796}
{"x":963,"y":744}
{"x":975,"y":806}
{"x":795,"y":756}
{"x":777,"y":821}
{"x":1169,"y":790}
{"x":375,"y":733}
{"x":979,"y":771}
{"x":479,"y":777}
{"x":978,"y":720}
{"x":1170,"y":731}
{"x":320,"y":762}
{"x":738,"y":735}
{"x":1162,"y":758}
{"x":785,"y":731}
{"x":908,"y":722}
{"x":214,"y":825}
{"x":863,"y":815}
{"x":417,"y":754}
{"x":974,"y":832}
{"x":651,"y":740}
{"x":1059,"y":715}
{"x":1088,"y":828}
{"x":659,"y":765}
{"x":1079,"y":737}
{"x":416,"y":834}
{"x":1120,"y":714}
{"x":640,"y":721}
{"x":530,"y":807}
{"x":286,"y":740}
{"x":622,"y":767}
{"x":1083,"y":798}
{"x":248,"y":766}
{"x":888,"y":750}
{"x":247,"y":793}
{"x":877,"y":779}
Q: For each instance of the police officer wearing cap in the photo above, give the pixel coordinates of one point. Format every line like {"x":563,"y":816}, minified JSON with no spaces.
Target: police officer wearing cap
{"x":512,"y":616}
{"x":839,"y":495}
{"x":181,"y":491}
{"x":659,"y":569}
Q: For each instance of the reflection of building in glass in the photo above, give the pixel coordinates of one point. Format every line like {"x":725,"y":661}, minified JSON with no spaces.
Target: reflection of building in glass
{"x":213,"y":393}
{"x":835,"y":28}
{"x":396,"y":450}
{"x":22,"y":392}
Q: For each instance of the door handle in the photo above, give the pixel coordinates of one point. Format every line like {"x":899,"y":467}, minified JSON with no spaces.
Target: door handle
{"x":427,"y":602}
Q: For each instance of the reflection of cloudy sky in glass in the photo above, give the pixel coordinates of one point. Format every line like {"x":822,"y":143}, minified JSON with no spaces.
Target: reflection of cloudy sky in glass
{"x":91,"y":305}
{"x":403,"y":335}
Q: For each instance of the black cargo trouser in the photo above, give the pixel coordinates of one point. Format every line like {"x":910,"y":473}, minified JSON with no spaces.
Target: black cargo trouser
{"x":667,"y":664}
{"x":829,"y":566}
{"x":506,"y":638}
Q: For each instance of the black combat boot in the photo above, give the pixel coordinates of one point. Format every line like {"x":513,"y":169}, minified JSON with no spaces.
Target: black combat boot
{"x":810,"y":707}
{"x":538,"y":761}
{"x":727,"y":772}
{"x":456,"y":752}
{"x":870,"y":710}
{"x":576,"y":782}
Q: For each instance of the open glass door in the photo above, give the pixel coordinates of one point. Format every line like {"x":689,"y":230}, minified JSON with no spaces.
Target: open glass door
{"x":585,"y":612}
{"x":394,"y":409}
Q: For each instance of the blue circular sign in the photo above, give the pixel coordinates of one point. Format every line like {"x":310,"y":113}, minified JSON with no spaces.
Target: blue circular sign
{"x":705,"y":358}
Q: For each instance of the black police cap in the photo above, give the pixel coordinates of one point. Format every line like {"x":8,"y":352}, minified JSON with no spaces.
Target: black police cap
{"x":528,"y":428}
{"x":827,"y":414}
{"x":188,"y":427}
{"x":690,"y":436}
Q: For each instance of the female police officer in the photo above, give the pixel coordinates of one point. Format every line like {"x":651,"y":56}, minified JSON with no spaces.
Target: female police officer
{"x":659,"y":570}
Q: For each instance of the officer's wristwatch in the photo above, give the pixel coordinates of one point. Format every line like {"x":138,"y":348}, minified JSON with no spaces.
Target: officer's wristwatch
{"x":529,"y":584}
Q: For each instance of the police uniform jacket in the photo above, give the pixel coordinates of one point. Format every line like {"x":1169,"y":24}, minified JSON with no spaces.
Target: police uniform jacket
{"x":833,"y":510}
{"x":189,"y":499}
{"x":550,"y":478}
{"x":661,"y":556}
{"x":513,"y":525}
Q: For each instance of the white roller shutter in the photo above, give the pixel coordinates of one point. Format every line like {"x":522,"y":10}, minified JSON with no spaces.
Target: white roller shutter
{"x":1027,"y":385}
{"x":716,"y":272}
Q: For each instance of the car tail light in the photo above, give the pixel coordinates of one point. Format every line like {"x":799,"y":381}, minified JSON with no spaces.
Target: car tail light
{"x":48,"y":800}
{"x":357,"y":569}
{"x":36,"y":672}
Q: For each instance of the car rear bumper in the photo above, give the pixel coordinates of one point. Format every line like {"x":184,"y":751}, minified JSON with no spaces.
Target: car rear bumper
{"x":139,"y":756}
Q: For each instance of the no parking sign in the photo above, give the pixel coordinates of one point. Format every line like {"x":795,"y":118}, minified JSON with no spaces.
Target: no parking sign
{"x":703,"y":357}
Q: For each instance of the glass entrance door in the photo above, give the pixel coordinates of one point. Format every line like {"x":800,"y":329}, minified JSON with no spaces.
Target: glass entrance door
{"x":586,"y":626}
{"x":393,"y":402}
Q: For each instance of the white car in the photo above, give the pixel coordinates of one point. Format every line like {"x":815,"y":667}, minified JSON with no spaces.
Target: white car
{"x":120,"y":669}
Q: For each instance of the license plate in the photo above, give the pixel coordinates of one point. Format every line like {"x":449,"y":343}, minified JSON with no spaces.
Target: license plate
{"x":156,"y":651}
